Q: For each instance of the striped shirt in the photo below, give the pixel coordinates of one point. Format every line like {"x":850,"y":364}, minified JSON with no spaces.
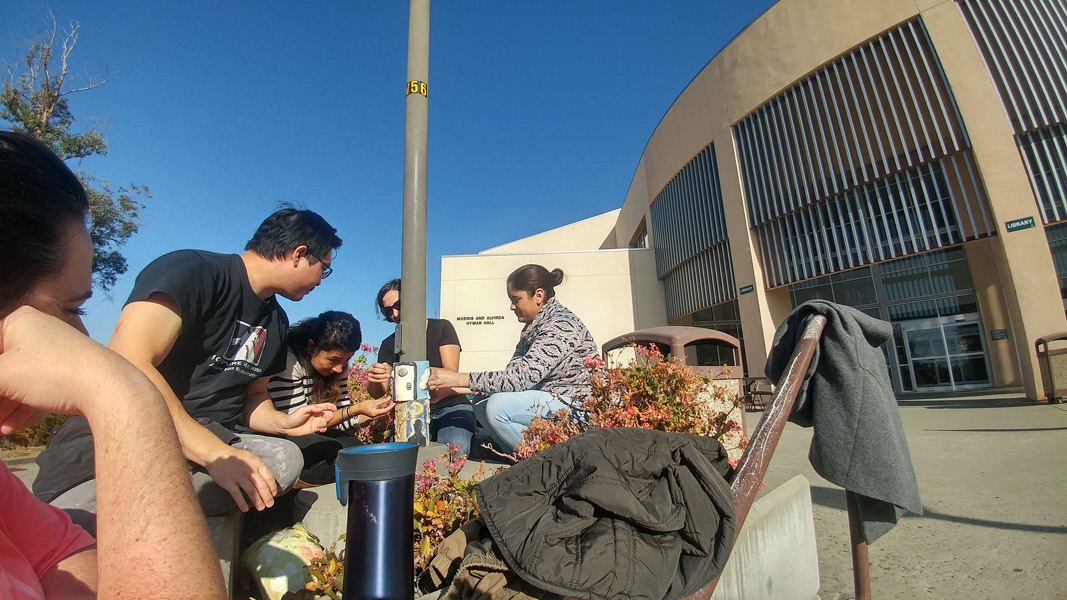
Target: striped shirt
{"x":550,"y":356}
{"x":292,"y":388}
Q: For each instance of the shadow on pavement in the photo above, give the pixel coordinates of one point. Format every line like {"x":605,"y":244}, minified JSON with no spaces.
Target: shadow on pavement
{"x":1005,"y":430}
{"x":835,"y":498}
{"x":966,"y":402}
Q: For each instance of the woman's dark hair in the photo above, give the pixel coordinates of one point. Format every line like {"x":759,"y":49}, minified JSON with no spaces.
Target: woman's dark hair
{"x":530,"y":277}
{"x":290,"y":227}
{"x":39,"y":199}
{"x":331,"y":330}
{"x":392,"y":284}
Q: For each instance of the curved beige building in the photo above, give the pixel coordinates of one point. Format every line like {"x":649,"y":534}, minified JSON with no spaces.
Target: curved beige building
{"x":906,"y":157}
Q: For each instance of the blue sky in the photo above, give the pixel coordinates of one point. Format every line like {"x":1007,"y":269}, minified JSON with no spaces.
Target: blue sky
{"x":538,"y":115}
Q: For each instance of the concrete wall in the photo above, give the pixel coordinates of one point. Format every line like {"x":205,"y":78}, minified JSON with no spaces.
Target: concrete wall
{"x":588,"y":234}
{"x":775,"y":557}
{"x":612,"y":291}
{"x":993,"y":306}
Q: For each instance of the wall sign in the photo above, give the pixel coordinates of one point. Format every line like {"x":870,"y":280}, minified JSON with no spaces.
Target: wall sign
{"x":748,"y":289}
{"x":999,"y":334}
{"x":416,"y":87}
{"x":1018,"y":224}
{"x":480,"y":320}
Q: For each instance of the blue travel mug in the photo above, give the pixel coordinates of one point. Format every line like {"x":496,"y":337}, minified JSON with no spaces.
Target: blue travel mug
{"x":377,"y":483}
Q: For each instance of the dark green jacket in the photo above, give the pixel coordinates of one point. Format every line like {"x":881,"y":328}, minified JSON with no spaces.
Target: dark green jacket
{"x":615,"y":513}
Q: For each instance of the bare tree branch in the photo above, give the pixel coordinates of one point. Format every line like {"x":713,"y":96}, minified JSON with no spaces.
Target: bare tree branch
{"x":33,"y":99}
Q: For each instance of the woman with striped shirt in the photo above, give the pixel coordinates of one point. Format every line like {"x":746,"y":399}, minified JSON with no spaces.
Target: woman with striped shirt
{"x":316,"y":371}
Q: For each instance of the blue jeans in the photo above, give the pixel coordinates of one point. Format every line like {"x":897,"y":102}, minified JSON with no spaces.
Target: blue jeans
{"x":507,"y":414}
{"x":453,"y":425}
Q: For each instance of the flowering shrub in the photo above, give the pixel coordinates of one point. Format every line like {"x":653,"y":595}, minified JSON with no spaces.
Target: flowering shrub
{"x":36,"y":435}
{"x":377,"y":430}
{"x":650,"y":392}
{"x":444,"y":501}
{"x":327,"y":573}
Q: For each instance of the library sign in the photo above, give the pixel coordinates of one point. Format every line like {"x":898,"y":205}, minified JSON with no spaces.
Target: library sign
{"x":1018,"y":224}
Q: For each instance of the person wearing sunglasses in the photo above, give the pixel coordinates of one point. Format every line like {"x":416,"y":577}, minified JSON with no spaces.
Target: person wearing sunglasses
{"x":208,"y":330}
{"x":452,"y":419}
{"x":49,"y":364}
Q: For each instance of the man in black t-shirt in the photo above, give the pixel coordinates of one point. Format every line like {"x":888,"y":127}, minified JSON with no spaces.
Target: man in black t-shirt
{"x":207,"y":329}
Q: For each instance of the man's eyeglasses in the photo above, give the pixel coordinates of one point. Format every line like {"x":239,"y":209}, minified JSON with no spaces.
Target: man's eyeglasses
{"x":326,"y":269}
{"x":388,"y":310}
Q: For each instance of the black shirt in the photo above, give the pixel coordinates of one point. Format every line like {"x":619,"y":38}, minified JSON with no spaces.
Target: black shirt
{"x":229,"y":336}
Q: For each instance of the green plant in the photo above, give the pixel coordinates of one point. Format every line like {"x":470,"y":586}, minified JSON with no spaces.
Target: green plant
{"x":444,"y":501}
{"x":38,"y":435}
{"x":327,"y":572}
{"x":377,"y":430}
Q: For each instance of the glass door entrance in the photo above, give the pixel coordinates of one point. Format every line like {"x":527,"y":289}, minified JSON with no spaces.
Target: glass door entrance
{"x":946,"y":353}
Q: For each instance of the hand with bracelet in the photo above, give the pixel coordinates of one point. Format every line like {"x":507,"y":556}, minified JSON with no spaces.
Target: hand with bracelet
{"x":371,"y":409}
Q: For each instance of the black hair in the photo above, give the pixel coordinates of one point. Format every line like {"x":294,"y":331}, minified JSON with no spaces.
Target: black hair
{"x":331,"y":330}
{"x":290,"y":227}
{"x":39,"y":200}
{"x":531,"y":277}
{"x":392,"y":284}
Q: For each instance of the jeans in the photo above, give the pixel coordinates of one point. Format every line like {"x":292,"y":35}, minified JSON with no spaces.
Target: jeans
{"x":453,"y":425}
{"x":507,"y":414}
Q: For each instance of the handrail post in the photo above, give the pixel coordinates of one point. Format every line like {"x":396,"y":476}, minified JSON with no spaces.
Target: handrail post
{"x":861,"y":565}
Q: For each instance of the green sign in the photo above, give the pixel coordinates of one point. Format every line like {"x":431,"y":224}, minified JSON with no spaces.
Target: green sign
{"x":999,"y":334}
{"x":748,"y":289}
{"x":1018,"y":224}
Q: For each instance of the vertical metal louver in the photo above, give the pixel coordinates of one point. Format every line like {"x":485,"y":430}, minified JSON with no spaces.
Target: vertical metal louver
{"x":689,"y":232}
{"x":864,"y":160}
{"x":1024,"y":43}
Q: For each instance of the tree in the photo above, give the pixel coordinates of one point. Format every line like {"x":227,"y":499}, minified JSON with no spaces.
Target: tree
{"x":34,"y":100}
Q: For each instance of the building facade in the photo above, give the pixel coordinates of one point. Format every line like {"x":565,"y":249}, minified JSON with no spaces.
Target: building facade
{"x":905,"y":157}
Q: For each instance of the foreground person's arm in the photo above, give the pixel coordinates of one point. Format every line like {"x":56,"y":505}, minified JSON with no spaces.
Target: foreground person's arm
{"x":152,"y":538}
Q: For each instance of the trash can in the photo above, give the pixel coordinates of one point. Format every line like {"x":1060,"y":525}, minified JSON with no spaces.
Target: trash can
{"x":1053,"y":363}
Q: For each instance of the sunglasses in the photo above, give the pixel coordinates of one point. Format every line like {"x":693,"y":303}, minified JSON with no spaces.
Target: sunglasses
{"x":388,"y":310}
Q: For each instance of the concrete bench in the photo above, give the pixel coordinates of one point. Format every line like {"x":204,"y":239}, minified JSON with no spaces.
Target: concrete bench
{"x":225,"y":532}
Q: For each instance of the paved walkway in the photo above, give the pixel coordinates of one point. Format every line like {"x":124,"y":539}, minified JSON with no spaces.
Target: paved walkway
{"x":992,"y":473}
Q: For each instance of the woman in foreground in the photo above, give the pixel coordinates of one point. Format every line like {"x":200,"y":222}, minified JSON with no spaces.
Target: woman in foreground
{"x":152,"y":538}
{"x":545,"y":374}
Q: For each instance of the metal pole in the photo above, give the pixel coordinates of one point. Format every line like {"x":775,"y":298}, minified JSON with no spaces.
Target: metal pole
{"x":861,"y":565}
{"x":411,"y":332}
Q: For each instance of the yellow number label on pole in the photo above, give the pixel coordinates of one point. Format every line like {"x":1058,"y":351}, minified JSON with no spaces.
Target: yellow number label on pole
{"x":416,"y":87}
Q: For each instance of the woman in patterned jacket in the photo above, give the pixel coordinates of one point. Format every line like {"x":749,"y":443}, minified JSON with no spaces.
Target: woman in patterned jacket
{"x":316,"y":371}
{"x":545,"y":374}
